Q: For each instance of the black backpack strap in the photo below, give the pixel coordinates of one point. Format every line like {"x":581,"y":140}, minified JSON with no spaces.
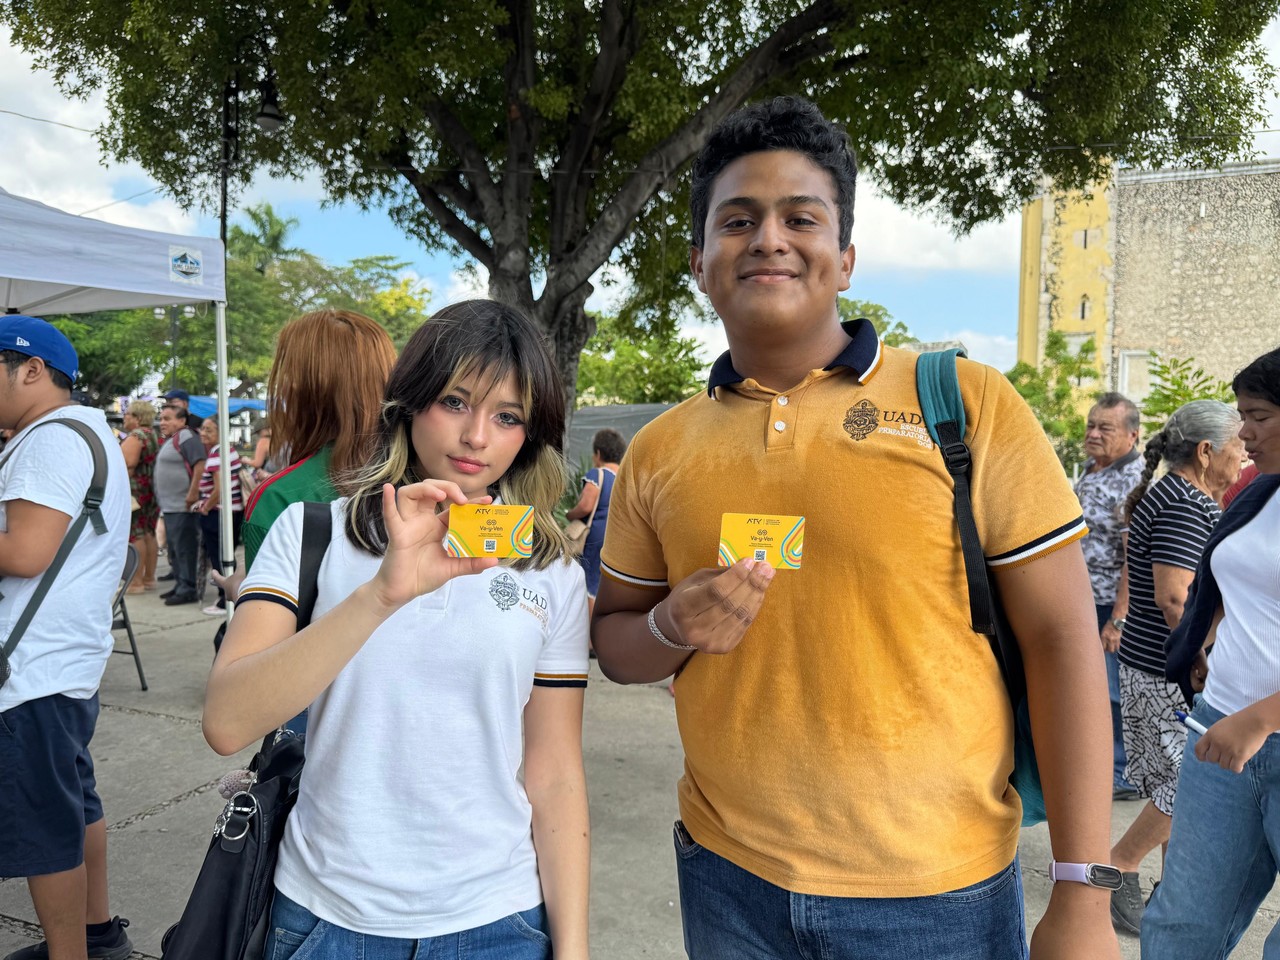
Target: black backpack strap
{"x":317,"y":530}
{"x":90,"y":509}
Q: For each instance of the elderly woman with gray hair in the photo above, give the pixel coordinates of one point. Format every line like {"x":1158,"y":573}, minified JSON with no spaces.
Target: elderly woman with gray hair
{"x":1169,"y":523}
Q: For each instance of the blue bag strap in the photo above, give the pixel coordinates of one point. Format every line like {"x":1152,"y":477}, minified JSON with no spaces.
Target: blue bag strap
{"x":939,"y":390}
{"x":942,"y":405}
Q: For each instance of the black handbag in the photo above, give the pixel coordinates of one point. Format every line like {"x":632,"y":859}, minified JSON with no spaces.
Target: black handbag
{"x":229,"y":911}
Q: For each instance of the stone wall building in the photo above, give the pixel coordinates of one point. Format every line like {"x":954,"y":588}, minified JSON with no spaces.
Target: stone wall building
{"x":1182,"y":262}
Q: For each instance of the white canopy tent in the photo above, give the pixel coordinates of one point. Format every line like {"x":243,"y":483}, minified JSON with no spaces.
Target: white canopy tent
{"x":54,"y":262}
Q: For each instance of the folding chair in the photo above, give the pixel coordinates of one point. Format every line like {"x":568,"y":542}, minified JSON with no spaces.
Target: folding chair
{"x":120,"y":613}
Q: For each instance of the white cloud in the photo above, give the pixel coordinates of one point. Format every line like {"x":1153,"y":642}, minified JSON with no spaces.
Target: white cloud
{"x":467,"y":283}
{"x":887,"y":237}
{"x":992,"y":349}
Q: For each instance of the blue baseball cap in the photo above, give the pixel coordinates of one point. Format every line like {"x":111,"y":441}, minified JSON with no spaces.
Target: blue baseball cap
{"x":178,"y":395}
{"x":38,"y":338}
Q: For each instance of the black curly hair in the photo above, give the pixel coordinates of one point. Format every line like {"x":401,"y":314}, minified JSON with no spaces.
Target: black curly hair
{"x":783,"y":123}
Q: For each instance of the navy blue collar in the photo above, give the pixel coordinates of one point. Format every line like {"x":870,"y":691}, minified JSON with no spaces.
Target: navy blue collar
{"x":859,"y":356}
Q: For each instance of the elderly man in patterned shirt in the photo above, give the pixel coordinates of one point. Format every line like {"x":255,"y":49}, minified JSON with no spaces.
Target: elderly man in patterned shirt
{"x":1113,"y":469}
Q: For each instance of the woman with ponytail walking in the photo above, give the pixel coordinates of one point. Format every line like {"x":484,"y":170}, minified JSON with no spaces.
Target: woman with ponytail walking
{"x":1169,"y":523}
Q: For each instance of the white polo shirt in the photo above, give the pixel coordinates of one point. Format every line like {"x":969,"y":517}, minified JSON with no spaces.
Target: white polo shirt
{"x":412,"y":820}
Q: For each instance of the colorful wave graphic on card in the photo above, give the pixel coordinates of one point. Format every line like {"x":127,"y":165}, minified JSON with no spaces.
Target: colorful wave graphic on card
{"x":765,"y":538}
{"x":490,"y":530}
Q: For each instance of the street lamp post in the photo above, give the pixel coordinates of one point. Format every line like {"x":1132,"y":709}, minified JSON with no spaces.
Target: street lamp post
{"x":188,"y":311}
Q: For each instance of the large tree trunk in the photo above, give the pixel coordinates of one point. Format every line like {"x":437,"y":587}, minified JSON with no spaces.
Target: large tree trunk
{"x":565,"y":324}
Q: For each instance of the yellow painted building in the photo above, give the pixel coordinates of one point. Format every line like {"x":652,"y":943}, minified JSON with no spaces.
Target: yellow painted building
{"x":1067,"y":269}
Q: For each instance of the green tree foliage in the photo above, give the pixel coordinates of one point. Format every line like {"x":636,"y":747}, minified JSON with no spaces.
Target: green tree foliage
{"x":541,"y":140}
{"x":892,"y":332}
{"x":1056,"y":391}
{"x":623,"y":365}
{"x":1175,"y":382}
{"x":117,"y":349}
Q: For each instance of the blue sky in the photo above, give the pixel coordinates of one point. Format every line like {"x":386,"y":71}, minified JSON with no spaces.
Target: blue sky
{"x":940,"y":286}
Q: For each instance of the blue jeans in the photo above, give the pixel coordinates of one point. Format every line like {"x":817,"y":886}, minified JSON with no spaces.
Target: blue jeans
{"x":731,"y":914}
{"x":1113,"y":691}
{"x":298,"y":934}
{"x":1222,"y":855}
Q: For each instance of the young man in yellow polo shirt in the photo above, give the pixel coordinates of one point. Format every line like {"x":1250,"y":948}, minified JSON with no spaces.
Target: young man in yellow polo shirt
{"x":847,"y":735}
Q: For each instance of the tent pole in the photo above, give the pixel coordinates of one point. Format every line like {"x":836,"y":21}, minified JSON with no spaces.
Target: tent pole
{"x":227,"y":546}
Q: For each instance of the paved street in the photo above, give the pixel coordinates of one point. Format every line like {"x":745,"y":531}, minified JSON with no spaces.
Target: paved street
{"x":157,"y":779}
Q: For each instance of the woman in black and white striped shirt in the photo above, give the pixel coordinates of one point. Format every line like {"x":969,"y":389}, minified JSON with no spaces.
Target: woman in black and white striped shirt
{"x":1169,"y":524}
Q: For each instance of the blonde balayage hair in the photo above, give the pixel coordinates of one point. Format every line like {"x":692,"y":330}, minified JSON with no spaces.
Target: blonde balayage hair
{"x":490,"y":340}
{"x":326,"y":385}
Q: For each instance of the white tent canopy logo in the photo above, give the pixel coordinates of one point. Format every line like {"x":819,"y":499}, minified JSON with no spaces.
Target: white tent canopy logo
{"x":186,"y":266}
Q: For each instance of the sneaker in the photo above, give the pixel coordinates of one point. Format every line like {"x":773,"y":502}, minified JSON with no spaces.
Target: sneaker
{"x":1127,"y":905}
{"x":166,"y":576}
{"x":112,"y":945}
{"x":168,"y":593}
{"x":213,"y":610}
{"x":178,"y":598}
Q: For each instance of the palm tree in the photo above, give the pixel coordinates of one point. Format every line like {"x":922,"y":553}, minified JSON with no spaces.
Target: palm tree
{"x":264,"y":244}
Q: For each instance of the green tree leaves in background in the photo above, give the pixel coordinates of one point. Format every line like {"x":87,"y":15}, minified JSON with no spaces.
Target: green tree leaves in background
{"x":1175,"y":382}
{"x":543,"y":140}
{"x":1056,"y":392}
{"x":893,"y":332}
{"x":622,"y":365}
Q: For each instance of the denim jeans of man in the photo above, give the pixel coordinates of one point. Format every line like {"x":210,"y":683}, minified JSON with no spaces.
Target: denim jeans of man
{"x":731,"y":914}
{"x":1222,"y":855}
{"x":182,"y":531}
{"x":298,"y":934}
{"x":1113,"y":692}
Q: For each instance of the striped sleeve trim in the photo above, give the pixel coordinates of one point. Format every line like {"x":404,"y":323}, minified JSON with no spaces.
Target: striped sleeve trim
{"x":631,"y":581}
{"x":559,"y":679}
{"x":270,"y":594}
{"x":1041,"y":545}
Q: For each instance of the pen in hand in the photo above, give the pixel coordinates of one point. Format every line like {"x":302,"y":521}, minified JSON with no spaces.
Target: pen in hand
{"x":1195,"y":725}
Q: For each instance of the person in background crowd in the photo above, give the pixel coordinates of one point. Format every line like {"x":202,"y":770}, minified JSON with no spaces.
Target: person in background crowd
{"x":1111,"y":472}
{"x":324,"y":394}
{"x":140,"y":447}
{"x":260,"y":462}
{"x":52,"y":827}
{"x":1246,"y":475}
{"x":1225,"y":840}
{"x":181,"y":398}
{"x":1169,"y":524}
{"x":607,"y":447}
{"x":459,"y":672}
{"x":209,"y":505}
{"x":848,"y":738}
{"x":179,"y":465}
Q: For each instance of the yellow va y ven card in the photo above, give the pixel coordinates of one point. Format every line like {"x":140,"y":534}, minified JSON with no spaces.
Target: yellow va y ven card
{"x":489,"y":530}
{"x":775,"y":540}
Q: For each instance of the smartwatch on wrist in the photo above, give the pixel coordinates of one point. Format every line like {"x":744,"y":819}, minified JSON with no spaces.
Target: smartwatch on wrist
{"x":1118,"y":622}
{"x":1101,"y":875}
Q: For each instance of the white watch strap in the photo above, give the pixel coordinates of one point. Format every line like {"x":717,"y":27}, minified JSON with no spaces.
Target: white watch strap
{"x":1077,"y":872}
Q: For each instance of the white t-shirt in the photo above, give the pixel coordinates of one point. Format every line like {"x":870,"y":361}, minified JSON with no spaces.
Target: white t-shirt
{"x":65,"y":649}
{"x":1245,"y":665}
{"x":412,"y":820}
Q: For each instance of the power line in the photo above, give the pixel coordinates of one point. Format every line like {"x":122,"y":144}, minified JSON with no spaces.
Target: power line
{"x":141,"y":193}
{"x":56,"y":123}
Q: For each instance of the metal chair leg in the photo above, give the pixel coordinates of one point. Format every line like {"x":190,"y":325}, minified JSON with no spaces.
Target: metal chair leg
{"x":133,"y":643}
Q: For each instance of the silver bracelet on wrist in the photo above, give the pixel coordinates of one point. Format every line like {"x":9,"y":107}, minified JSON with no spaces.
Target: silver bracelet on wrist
{"x":662,"y":638}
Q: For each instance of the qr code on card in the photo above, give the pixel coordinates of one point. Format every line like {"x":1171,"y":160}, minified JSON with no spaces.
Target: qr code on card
{"x":490,"y":546}
{"x":761,"y":556}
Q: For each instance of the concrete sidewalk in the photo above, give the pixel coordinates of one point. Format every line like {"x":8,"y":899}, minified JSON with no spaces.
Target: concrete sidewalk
{"x":157,"y":778}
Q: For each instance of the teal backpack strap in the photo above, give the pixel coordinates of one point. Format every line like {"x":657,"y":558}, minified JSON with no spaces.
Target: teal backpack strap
{"x":942,"y":405}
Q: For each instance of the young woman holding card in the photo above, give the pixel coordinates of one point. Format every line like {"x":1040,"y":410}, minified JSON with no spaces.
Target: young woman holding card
{"x":423,"y":672}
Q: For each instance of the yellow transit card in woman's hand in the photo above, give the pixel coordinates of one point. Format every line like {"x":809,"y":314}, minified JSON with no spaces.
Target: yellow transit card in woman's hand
{"x":775,"y":540}
{"x":489,"y":530}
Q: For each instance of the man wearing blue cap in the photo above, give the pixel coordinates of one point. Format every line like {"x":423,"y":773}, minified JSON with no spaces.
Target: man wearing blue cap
{"x":52,"y":829}
{"x":180,"y":398}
